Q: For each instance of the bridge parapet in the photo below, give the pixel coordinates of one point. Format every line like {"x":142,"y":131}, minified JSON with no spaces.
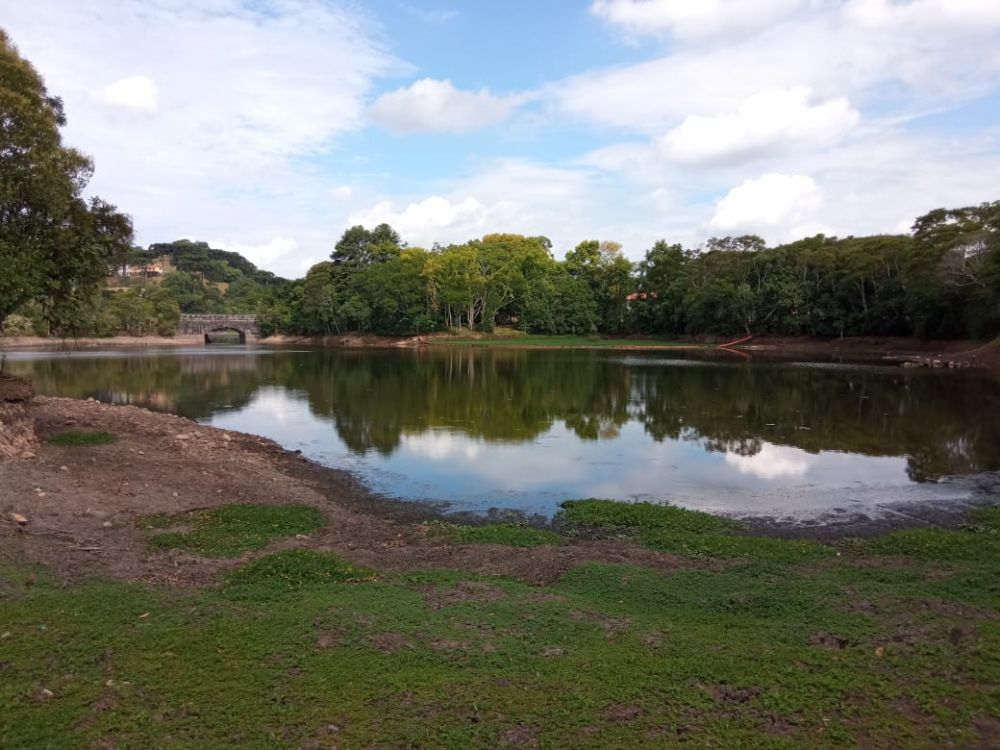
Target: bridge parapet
{"x":204,"y":324}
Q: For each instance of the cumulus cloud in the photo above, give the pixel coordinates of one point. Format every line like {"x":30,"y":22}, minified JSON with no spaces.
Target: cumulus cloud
{"x":690,"y":18}
{"x":503,"y":195}
{"x":431,"y":220}
{"x":769,"y":201}
{"x":434,"y":105}
{"x":927,"y":52}
{"x":135,"y":93}
{"x":261,"y":255}
{"x":766,"y":121}
{"x":924,"y":14}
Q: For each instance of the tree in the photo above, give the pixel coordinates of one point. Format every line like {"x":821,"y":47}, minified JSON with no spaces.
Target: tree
{"x":55,"y":246}
{"x":608,"y":273}
{"x":359,"y":247}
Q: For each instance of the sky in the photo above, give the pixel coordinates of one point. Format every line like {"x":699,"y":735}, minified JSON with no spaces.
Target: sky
{"x":270,"y":126}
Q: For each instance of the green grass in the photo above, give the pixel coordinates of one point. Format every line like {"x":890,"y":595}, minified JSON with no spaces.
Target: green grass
{"x":611,"y":514}
{"x":514,"y":535}
{"x":668,"y":528}
{"x":892,"y":643}
{"x":231,"y":530}
{"x":290,"y":570}
{"x":81,"y":437}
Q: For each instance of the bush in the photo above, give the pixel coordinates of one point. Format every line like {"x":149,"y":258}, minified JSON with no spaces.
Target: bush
{"x":18,"y":325}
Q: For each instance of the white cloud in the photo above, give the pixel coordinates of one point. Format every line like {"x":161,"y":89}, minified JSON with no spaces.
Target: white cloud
{"x":772,"y":462}
{"x":770,"y":120}
{"x":691,"y":18}
{"x":765,"y":203}
{"x":434,"y":105}
{"x":922,"y":54}
{"x":246,"y":93}
{"x":428,"y":221}
{"x":260,"y":255}
{"x":930,"y":15}
{"x":503,"y":195}
{"x":135,"y":93}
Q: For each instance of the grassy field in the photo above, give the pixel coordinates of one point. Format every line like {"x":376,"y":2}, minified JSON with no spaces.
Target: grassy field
{"x":891,"y":642}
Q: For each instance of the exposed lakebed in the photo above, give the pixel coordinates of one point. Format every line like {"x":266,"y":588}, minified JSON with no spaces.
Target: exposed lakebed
{"x":519,"y":430}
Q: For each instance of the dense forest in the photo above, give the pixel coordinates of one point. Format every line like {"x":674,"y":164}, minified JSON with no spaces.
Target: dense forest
{"x":940,"y":281}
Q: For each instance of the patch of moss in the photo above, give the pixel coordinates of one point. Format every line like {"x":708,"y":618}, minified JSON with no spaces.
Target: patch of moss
{"x":514,"y":535}
{"x":230,"y":530}
{"x":295,"y":569}
{"x":75,"y":438}
{"x":684,"y":532}
{"x":612,"y":514}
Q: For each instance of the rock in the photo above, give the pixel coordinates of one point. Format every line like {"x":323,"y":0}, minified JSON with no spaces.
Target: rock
{"x":182,"y":436}
{"x":107,"y":524}
{"x":45,"y":694}
{"x":63,"y":468}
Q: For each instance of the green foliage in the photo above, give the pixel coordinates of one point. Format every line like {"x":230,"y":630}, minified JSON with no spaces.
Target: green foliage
{"x":55,"y":245}
{"x":513,"y":535}
{"x":230,"y":530}
{"x":611,"y":514}
{"x":292,"y":569}
{"x":684,"y":532}
{"x":17,"y":325}
{"x":80,"y":437}
{"x":980,"y":542}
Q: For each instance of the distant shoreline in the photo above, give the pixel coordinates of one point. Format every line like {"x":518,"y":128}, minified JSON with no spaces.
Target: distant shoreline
{"x":976,"y":353}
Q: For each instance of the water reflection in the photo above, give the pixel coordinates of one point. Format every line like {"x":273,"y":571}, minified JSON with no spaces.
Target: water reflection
{"x":527,"y":428}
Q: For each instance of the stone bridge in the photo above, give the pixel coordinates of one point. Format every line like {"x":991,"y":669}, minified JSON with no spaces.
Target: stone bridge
{"x":193,"y":325}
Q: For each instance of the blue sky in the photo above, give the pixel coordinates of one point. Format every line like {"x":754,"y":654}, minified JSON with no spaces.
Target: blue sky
{"x":268,"y":126}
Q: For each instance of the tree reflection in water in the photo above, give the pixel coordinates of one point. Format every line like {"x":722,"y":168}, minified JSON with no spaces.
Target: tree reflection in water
{"x":943,"y":423}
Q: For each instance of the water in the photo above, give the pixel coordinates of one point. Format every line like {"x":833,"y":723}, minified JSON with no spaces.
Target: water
{"x":523,"y":430}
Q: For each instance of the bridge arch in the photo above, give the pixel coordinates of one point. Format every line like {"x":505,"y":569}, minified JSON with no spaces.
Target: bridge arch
{"x":239,"y":332}
{"x":203,"y":325}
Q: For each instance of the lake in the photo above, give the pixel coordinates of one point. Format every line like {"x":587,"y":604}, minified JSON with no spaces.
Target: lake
{"x":522,"y":430}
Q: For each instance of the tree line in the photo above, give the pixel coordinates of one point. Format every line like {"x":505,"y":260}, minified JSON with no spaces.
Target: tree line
{"x":940,"y":281}
{"x":57,"y":248}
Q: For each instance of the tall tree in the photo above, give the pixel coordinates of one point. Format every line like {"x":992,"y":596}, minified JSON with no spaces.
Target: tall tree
{"x":55,"y":246}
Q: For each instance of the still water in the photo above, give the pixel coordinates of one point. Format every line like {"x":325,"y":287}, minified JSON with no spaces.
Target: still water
{"x":522,"y":430}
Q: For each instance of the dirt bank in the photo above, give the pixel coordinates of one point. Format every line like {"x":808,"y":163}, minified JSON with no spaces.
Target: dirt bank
{"x":892,"y":349}
{"x":11,"y":343}
{"x":82,"y":504}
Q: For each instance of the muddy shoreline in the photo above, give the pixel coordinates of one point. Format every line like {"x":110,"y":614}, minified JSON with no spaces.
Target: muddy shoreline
{"x":83,"y":505}
{"x":893,"y":350}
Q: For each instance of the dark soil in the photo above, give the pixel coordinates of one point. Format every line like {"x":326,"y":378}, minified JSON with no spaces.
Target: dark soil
{"x":83,"y":503}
